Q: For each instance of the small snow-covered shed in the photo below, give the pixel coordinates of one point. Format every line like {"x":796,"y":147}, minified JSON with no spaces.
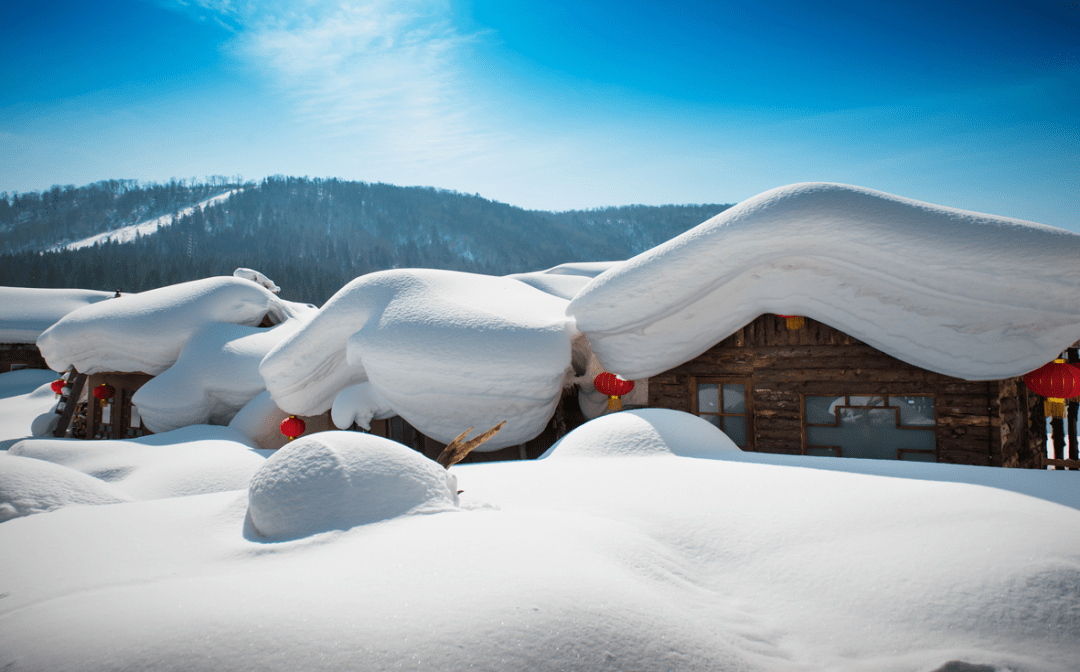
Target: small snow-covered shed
{"x":166,"y":358}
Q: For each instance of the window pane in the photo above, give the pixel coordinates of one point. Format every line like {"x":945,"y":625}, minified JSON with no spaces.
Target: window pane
{"x":734,"y":399}
{"x":870,"y":433}
{"x":714,"y":419}
{"x":915,"y":411}
{"x":868,"y":401}
{"x":735,"y":428}
{"x":708,"y":398}
{"x":819,"y":410}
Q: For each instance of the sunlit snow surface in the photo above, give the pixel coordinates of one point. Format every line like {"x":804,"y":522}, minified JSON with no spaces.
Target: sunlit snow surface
{"x":965,"y":294}
{"x":617,"y":552}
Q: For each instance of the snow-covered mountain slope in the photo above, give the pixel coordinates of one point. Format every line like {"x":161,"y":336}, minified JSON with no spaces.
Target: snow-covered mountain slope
{"x":965,"y":294}
{"x":128,"y":234}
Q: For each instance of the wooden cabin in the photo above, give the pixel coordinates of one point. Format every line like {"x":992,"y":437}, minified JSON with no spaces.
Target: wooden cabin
{"x":82,"y":416}
{"x":15,"y":356}
{"x":815,"y":390}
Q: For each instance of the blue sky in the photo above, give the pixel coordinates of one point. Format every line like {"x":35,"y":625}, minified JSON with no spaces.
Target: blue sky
{"x":555,"y":105}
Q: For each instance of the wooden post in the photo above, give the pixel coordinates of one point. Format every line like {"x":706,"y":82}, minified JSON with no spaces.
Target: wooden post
{"x":76,"y":381}
{"x":1072,"y":356}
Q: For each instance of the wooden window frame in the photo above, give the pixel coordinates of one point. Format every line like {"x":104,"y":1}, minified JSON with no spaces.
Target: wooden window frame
{"x":748,"y":385}
{"x":936,"y":452}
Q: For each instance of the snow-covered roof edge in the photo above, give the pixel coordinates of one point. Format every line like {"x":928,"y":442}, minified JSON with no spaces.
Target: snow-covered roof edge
{"x":965,"y":294}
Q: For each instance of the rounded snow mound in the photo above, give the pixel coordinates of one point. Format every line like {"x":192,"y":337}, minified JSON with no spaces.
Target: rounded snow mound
{"x":338,"y":480}
{"x":29,"y":486}
{"x":644,"y":432}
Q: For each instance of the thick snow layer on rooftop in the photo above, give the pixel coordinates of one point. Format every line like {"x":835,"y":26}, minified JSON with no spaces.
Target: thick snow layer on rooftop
{"x":146,"y":331}
{"x":25,"y":312}
{"x":564,"y":280}
{"x":965,"y":294}
{"x":129,"y":234}
{"x":445,"y":350}
{"x":613,"y":560}
{"x":216,"y":375}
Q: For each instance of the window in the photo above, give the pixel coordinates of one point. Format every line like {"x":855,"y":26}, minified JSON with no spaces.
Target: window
{"x":874,"y":427}
{"x":724,"y":403}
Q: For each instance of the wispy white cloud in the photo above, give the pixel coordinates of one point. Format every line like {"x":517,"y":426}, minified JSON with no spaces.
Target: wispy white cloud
{"x":384,"y":73}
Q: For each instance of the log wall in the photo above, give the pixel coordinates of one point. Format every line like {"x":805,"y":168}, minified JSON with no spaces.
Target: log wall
{"x":978,"y":422}
{"x":15,"y":356}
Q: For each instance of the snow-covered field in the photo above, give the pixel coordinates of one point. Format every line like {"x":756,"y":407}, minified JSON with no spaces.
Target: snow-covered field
{"x":643,"y":541}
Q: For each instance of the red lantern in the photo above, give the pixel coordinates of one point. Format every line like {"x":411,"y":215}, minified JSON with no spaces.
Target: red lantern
{"x":1057,"y":381}
{"x":794,"y":321}
{"x":104,"y":392}
{"x":58,"y":386}
{"x":292,"y":427}
{"x":614,"y":387}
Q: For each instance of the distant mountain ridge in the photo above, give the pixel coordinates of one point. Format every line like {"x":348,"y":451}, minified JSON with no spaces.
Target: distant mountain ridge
{"x":310,"y":235}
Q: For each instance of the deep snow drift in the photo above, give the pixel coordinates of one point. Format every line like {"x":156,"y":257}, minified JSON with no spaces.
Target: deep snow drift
{"x":965,"y":294}
{"x":338,"y":480}
{"x":616,"y":552}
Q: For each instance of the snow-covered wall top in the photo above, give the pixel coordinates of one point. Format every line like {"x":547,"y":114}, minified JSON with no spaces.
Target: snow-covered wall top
{"x":26,"y":312}
{"x":965,"y":294}
{"x":146,"y":331}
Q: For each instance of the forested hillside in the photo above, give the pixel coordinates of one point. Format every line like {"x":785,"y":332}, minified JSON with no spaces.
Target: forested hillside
{"x":310,"y":235}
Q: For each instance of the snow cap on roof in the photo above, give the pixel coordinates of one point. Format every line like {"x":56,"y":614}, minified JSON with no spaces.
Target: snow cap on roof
{"x":25,"y":312}
{"x":145,"y":331}
{"x":445,"y":350}
{"x":965,"y":294}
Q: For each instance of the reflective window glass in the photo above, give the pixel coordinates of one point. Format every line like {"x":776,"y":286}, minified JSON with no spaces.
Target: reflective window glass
{"x":914,"y":411}
{"x":735,"y":428}
{"x":734,"y":399}
{"x":820,"y":410}
{"x":708,"y":395}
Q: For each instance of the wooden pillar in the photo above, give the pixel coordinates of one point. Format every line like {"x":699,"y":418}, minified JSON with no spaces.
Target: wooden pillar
{"x":1072,"y":356}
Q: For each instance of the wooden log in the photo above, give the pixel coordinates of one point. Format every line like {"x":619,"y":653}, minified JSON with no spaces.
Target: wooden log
{"x":963,"y":420}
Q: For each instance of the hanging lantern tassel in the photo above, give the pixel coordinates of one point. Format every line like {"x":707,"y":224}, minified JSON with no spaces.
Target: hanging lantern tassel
{"x":292,"y":427}
{"x":614,"y":387}
{"x":794,"y":321}
{"x":1056,"y":381}
{"x":104,"y":393}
